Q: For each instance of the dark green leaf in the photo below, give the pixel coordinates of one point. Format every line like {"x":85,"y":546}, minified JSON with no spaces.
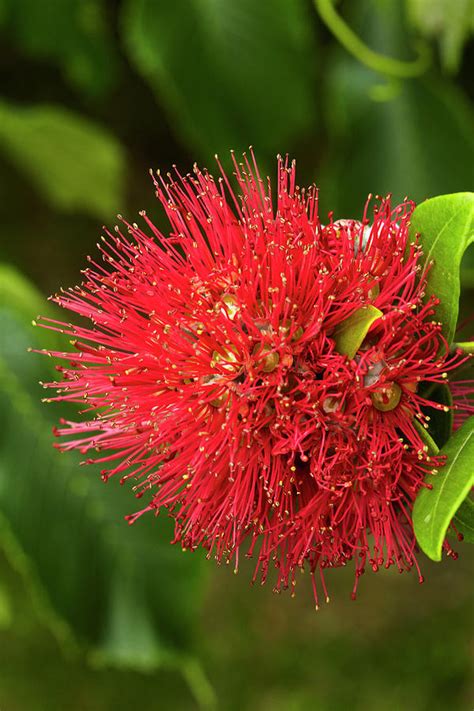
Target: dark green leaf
{"x":74,"y":162}
{"x":17,"y":294}
{"x":426,"y":437}
{"x":467,"y":268}
{"x":434,"y":509}
{"x":441,"y":421}
{"x":122,"y":591}
{"x":464,"y":520}
{"x":351,"y":332}
{"x":6,"y":616}
{"x":229,"y":73}
{"x":72,"y":33}
{"x":446,"y":228}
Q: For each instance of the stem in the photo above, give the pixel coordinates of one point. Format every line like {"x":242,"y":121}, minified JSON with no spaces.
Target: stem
{"x":199,"y":684}
{"x":467,"y":347}
{"x":378,"y":62}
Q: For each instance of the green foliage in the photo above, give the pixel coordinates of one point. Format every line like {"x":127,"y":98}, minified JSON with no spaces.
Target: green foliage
{"x":17,"y":294}
{"x":222,"y":75}
{"x":464,"y":520}
{"x":5,"y":608}
{"x":426,"y":437}
{"x":381,"y":63}
{"x":434,"y":509}
{"x":412,"y":138}
{"x":467,"y":269}
{"x":446,"y":228}
{"x":441,"y":421}
{"x":76,"y":164}
{"x":229,"y":73}
{"x":291,"y":658}
{"x":351,"y":332}
{"x":450,"y":23}
{"x":385,"y":147}
{"x":72,"y":33}
{"x":120,"y":591}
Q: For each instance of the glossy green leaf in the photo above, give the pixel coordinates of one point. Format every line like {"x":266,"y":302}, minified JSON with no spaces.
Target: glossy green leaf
{"x":77,"y":165}
{"x":123,"y":592}
{"x":434,"y":509}
{"x":350,"y":333}
{"x":228,"y":73}
{"x":446,"y":228}
{"x":464,"y":520}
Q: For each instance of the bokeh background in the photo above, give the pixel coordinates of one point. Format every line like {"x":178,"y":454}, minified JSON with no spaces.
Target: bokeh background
{"x":95,"y":615}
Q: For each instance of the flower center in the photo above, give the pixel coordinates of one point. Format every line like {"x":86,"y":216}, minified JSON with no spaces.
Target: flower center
{"x":386,"y":397}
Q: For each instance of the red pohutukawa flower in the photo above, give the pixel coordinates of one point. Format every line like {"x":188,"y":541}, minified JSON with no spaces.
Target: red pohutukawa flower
{"x":213,"y":378}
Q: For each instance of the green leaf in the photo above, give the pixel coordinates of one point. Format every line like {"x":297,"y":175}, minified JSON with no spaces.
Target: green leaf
{"x":441,"y":421}
{"x":72,"y":33}
{"x":446,"y":228}
{"x":350,"y":333}
{"x":451,"y":23}
{"x":382,"y":147}
{"x":467,"y":268}
{"x":19,"y":295}
{"x":467,"y":278}
{"x":241,"y":72}
{"x":426,"y":437}
{"x":76,"y":164}
{"x":434,"y":509}
{"x":464,"y":520}
{"x":123,"y":592}
{"x":6,"y":615}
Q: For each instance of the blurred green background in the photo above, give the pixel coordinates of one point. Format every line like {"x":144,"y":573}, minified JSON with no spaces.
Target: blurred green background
{"x":95,"y":615}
